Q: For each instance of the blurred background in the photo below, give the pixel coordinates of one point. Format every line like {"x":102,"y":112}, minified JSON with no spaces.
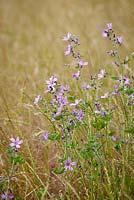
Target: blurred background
{"x":31,"y":46}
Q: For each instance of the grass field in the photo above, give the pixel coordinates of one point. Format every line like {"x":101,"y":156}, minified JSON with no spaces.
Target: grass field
{"x":31,"y":51}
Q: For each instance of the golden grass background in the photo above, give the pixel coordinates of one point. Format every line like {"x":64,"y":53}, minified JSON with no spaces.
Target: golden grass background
{"x":31,"y":47}
{"x":31,"y":31}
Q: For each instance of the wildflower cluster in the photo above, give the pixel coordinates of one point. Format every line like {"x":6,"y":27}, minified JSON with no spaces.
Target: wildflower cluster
{"x":16,"y":159}
{"x":123,"y":84}
{"x":88,"y":131}
{"x":69,"y":113}
{"x":109,"y":33}
{"x":86,"y":122}
{"x":72,"y":50}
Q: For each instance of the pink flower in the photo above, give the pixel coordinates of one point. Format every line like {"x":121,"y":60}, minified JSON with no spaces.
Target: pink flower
{"x":16,"y":142}
{"x":119,"y":40}
{"x":76,"y":103}
{"x":59,"y":111}
{"x":37,"y":99}
{"x":105,"y":33}
{"x":102,"y":74}
{"x":126,"y":81}
{"x":109,"y":26}
{"x":86,"y":86}
{"x":51,"y":83}
{"x":45,"y":136}
{"x":66,"y":38}
{"x":106,"y":95}
{"x":77,"y":75}
{"x":68,"y":164}
{"x":69,"y":50}
{"x":81,"y":63}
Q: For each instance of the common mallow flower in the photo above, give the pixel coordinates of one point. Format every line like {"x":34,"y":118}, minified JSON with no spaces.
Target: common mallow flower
{"x":111,"y":52}
{"x":109,"y":26}
{"x":51,"y":83}
{"x":102,"y":74}
{"x":11,"y":196}
{"x":37,"y":99}
{"x":4,"y":196}
{"x":63,"y":100}
{"x":116,"y":92}
{"x":105,"y":33}
{"x":79,"y":114}
{"x":126,"y":81}
{"x":76,"y":40}
{"x":16,"y":142}
{"x":97,"y":111}
{"x":86,"y":86}
{"x":97,"y":104}
{"x":68,"y":164}
{"x":58,"y":112}
{"x":75,"y":103}
{"x":79,"y":55}
{"x":106,"y":95}
{"x":114,"y":138}
{"x":77,"y":75}
{"x":64,"y":88}
{"x":45,"y":136}
{"x":81,"y":63}
{"x":104,"y":114}
{"x":119,"y":40}
{"x":69,"y":50}
{"x":66,"y":38}
{"x":52,"y":80}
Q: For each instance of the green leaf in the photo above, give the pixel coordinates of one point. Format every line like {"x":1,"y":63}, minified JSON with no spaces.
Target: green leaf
{"x":73,"y":144}
{"x":86,"y":104}
{"x":61,"y":160}
{"x":71,"y":98}
{"x":11,"y":150}
{"x":17,"y":159}
{"x":18,"y":198}
{"x":107,"y":117}
{"x":41,"y":193}
{"x":130,"y":130}
{"x":58,"y":117}
{"x":54,"y":136}
{"x":114,"y":78}
{"x":111,"y":133}
{"x":59,"y":171}
{"x":129,"y":91}
{"x":99,"y":124}
{"x":87,"y":153}
{"x":78,"y":124}
{"x":117,"y":146}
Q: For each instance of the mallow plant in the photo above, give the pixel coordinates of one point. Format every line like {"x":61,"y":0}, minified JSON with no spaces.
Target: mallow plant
{"x":91,"y":129}
{"x":9,"y":177}
{"x":94,"y":126}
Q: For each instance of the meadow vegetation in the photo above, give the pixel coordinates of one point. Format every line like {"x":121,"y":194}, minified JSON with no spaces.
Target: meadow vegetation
{"x":66,"y":100}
